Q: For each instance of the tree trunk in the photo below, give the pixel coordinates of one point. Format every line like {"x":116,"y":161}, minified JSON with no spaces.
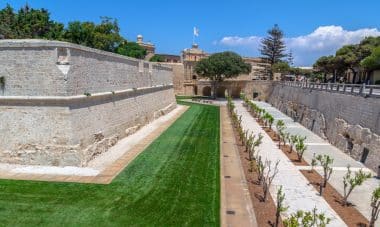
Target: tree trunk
{"x":354,"y":77}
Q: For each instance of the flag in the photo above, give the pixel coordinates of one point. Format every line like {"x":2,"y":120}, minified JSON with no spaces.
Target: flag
{"x":196,"y":31}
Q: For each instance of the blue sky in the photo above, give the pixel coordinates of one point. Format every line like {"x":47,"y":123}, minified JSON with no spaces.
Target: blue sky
{"x":312,"y":27}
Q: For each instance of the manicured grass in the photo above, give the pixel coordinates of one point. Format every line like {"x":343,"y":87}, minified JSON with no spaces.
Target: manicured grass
{"x":174,"y":182}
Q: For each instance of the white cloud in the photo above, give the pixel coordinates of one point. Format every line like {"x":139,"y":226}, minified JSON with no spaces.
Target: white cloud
{"x":325,"y":40}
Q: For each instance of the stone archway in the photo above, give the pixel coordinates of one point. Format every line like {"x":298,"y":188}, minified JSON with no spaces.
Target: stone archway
{"x":221,"y":92}
{"x":206,"y":91}
{"x":235,"y":93}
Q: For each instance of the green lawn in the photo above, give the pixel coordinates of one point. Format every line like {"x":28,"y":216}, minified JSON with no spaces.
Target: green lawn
{"x":174,"y":182}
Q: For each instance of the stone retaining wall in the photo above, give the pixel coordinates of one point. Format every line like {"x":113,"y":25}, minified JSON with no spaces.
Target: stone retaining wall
{"x":64,"y":104}
{"x":351,"y":123}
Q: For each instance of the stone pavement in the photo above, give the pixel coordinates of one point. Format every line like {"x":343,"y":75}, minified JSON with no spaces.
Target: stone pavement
{"x":300,"y":195}
{"x":111,"y":171}
{"x":236,"y":205}
{"x":361,"y":196}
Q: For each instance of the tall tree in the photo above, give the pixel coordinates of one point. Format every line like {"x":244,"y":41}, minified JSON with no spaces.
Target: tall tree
{"x":36,"y":23}
{"x":351,"y":56}
{"x":273,"y":46}
{"x":220,"y":66}
{"x":8,"y":23}
{"x":103,"y":36}
{"x":371,"y":63}
{"x":290,"y":58}
{"x":325,"y":64}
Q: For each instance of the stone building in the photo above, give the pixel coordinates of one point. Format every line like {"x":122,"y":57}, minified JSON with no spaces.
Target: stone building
{"x":149,"y":47}
{"x":187,"y":82}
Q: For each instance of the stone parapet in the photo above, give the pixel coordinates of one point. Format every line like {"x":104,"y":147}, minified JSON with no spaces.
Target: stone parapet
{"x":63,"y":104}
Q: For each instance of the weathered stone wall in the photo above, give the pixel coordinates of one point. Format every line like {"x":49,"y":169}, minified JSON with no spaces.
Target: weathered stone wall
{"x":64,"y":69}
{"x":351,"y":123}
{"x":234,"y":87}
{"x":46,"y":119}
{"x":178,"y":77}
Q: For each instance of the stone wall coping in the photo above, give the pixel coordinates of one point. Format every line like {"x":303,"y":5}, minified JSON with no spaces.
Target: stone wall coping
{"x":65,"y":100}
{"x":40,"y":43}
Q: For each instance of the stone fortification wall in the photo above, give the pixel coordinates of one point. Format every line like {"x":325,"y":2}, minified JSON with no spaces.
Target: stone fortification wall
{"x":62,"y":104}
{"x":351,"y":123}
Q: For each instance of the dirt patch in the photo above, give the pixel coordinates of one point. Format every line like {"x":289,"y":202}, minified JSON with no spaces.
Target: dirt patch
{"x":292,"y":155}
{"x":285,"y":148}
{"x":265,"y":211}
{"x":349,"y":214}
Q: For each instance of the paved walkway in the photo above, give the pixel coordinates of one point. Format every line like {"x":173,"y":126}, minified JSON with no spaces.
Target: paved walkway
{"x":109,"y":172}
{"x":236,"y":205}
{"x":361,"y":196}
{"x":299,"y":194}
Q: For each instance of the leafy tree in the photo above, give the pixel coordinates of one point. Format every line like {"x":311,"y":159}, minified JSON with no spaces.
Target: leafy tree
{"x":255,"y":143}
{"x":8,"y":23}
{"x":280,"y":126}
{"x":131,"y":49}
{"x":325,"y":64}
{"x":157,"y":58}
{"x":280,"y":206}
{"x":325,"y":161}
{"x":273,"y":46}
{"x":372,"y":62}
{"x":300,"y":147}
{"x":293,"y":140}
{"x":375,"y":204}
{"x":307,"y":218}
{"x":220,"y":66}
{"x":351,"y":182}
{"x":36,"y":23}
{"x":352,"y":55}
{"x":281,"y":67}
{"x":104,"y":36}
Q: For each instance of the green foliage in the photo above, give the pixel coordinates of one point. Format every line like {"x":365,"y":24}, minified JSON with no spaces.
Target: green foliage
{"x":220,"y":66}
{"x":351,"y":182}
{"x":103,"y":36}
{"x":180,"y":170}
{"x":36,"y":23}
{"x":280,"y":205}
{"x":273,"y":46}
{"x":28,"y":23}
{"x":375,"y":204}
{"x":307,"y":219}
{"x":300,"y":147}
{"x":87,"y":94}
{"x":281,"y":67}
{"x":372,"y":62}
{"x":280,"y":126}
{"x":131,"y":49}
{"x":157,"y":58}
{"x":326,"y":162}
{"x":352,"y":57}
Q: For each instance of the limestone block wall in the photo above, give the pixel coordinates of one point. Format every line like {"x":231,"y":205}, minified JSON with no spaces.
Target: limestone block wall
{"x":351,"y":123}
{"x":47,"y":120}
{"x":234,"y":86}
